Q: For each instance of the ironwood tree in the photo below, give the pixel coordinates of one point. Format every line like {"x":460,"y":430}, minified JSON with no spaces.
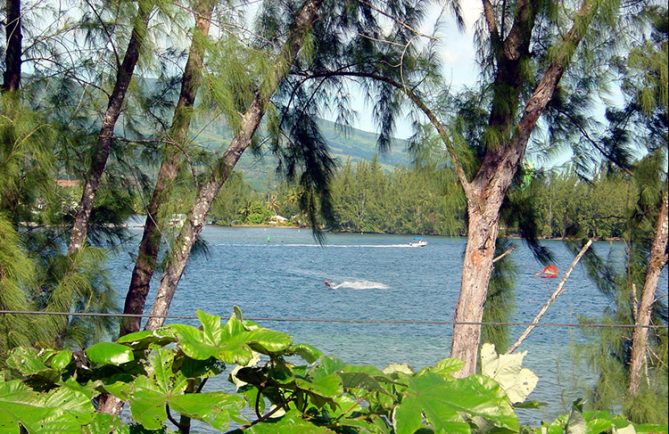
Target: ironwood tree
{"x":296,"y":140}
{"x":527,"y":47}
{"x":248,"y":123}
{"x":100,"y":156}
{"x":175,"y":146}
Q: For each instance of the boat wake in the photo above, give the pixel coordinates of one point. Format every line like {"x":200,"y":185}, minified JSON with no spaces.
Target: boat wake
{"x":360,"y":284}
{"x":328,"y":246}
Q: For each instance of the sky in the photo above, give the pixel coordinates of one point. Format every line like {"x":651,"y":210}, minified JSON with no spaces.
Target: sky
{"x":459,"y":69}
{"x":457,"y":52}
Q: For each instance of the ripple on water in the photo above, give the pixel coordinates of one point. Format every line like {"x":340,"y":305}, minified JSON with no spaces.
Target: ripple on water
{"x":381,"y":280}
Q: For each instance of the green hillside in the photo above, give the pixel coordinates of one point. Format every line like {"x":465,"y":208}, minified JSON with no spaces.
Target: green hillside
{"x":259,"y":171}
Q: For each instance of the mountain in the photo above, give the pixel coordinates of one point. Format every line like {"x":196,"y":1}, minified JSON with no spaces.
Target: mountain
{"x":353,"y":144}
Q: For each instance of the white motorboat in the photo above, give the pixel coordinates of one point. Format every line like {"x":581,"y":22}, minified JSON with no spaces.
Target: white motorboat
{"x":418,"y":243}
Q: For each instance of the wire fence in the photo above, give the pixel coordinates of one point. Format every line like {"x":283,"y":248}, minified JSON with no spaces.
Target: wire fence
{"x":343,"y":320}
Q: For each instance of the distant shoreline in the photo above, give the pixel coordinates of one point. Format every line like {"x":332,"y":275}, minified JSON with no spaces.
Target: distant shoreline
{"x":513,"y":236}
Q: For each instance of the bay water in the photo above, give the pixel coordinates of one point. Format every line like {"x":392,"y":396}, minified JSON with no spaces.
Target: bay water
{"x":279,"y":273}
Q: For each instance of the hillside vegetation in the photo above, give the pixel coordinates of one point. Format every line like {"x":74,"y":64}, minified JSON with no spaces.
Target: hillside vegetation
{"x":346,"y":143}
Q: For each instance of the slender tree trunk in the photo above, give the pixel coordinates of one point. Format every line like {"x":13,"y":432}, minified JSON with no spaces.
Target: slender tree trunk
{"x":198,"y":214}
{"x":477,"y":269}
{"x":14,"y":38}
{"x":658,"y":258}
{"x":249,"y":124}
{"x":108,"y":403}
{"x":10,"y":85}
{"x":150,"y":245}
{"x":106,"y":135}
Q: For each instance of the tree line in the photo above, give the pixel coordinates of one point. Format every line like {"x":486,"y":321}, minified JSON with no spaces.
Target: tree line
{"x":428,"y":201}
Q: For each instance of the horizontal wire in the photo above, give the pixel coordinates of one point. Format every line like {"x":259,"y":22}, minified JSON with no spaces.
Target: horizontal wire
{"x":338,"y":320}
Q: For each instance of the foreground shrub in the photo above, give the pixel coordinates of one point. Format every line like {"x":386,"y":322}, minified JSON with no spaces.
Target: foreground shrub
{"x":281,"y":387}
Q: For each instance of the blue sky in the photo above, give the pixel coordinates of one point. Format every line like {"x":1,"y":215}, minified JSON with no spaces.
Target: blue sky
{"x":457,"y":53}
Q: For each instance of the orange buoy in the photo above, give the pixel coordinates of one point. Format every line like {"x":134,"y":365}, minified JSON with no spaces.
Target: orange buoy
{"x":549,"y":272}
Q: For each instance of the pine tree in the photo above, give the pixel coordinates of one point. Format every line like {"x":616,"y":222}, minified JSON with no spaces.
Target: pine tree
{"x":176,"y":142}
{"x":527,"y":46}
{"x":248,"y":124}
{"x":102,"y":151}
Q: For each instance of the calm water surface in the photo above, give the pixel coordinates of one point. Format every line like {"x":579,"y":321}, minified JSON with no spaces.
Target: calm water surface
{"x":280,"y":272}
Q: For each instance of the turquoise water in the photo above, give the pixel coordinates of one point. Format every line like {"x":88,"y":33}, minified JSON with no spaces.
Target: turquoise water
{"x":280,"y":272}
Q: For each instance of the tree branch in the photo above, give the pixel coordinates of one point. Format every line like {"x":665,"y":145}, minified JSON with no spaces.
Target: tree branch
{"x":594,"y":143}
{"x":544,"y":91}
{"x":489,"y":14}
{"x":106,"y":31}
{"x":536,"y":104}
{"x":401,"y":23}
{"x":550,"y":301}
{"x":417,"y":100}
{"x":523,"y":22}
{"x":506,"y":252}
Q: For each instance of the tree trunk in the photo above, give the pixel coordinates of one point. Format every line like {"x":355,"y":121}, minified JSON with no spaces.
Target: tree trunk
{"x":106,"y":135}
{"x":14,"y":38}
{"x":477,"y":267}
{"x":150,"y":245}
{"x":249,"y":124}
{"x":658,"y":258}
{"x":198,"y":214}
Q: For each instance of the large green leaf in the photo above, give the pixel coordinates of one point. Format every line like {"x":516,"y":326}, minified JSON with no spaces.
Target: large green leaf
{"x":27,"y":361}
{"x":192,"y":368}
{"x":109,"y":353}
{"x":232,"y":343}
{"x":291,"y":423}
{"x":48,"y":364}
{"x":147,"y":403}
{"x":267,"y":341}
{"x":446,"y":367}
{"x":362,"y":380}
{"x":328,"y":386}
{"x":105,"y":424}
{"x":16,"y":406}
{"x":150,"y":395}
{"x":60,"y":359}
{"x":307,"y":352}
{"x":142,"y":339}
{"x":506,"y":369}
{"x":366,"y":378}
{"x":191,"y":342}
{"x":89,"y":389}
{"x":327,"y":366}
{"x":428,"y":395}
{"x":217,"y":409}
{"x":62,"y":410}
{"x":444,"y":403}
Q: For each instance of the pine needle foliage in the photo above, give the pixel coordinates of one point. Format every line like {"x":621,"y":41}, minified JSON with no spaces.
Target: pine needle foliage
{"x":645,"y":115}
{"x":26,"y":166}
{"x":500,"y":305}
{"x":345,"y":35}
{"x":17,"y":278}
{"x":609,"y":355}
